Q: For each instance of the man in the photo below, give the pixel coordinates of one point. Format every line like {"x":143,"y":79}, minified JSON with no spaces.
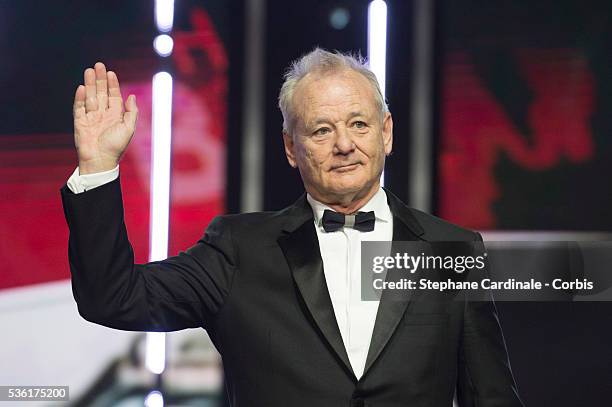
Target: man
{"x":278,"y":292}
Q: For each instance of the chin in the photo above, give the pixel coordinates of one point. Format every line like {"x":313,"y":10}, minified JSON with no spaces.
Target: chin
{"x":342,"y":188}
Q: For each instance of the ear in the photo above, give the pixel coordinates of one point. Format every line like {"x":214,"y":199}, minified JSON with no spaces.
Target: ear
{"x":387,"y":133}
{"x":289,"y":148}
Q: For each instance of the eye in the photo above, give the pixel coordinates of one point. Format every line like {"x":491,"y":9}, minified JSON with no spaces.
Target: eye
{"x":359,"y":124}
{"x":322,"y":131}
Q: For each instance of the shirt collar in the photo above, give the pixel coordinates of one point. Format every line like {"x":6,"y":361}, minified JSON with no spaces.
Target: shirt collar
{"x":378,"y":204}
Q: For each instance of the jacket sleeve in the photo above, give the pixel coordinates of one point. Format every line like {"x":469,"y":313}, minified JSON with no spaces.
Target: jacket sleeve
{"x":484,"y":375}
{"x":184,"y":291}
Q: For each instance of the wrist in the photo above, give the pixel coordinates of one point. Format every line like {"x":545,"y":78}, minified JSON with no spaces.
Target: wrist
{"x":95,"y":166}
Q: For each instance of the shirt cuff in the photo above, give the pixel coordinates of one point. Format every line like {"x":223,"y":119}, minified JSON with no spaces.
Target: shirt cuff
{"x":78,"y":183}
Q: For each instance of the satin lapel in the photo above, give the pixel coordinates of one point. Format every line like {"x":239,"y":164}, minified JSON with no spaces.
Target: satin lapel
{"x":301,"y":249}
{"x":393,"y":306}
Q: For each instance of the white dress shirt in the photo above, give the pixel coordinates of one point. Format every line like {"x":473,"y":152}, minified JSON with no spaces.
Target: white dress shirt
{"x":78,"y":183}
{"x":341,"y":254}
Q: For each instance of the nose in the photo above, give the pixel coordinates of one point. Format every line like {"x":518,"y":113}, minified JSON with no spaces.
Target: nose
{"x":344,"y":143}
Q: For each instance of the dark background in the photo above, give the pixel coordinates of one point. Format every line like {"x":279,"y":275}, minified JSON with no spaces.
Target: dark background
{"x":567,"y":46}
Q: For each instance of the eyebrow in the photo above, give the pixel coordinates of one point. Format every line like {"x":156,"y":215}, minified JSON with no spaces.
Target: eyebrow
{"x":322,"y":120}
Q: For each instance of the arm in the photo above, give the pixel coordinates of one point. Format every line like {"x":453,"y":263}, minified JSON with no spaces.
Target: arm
{"x":484,"y":374}
{"x":183,"y":291}
{"x":180,"y":292}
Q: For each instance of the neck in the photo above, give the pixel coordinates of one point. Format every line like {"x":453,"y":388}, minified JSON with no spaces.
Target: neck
{"x":349,"y":203}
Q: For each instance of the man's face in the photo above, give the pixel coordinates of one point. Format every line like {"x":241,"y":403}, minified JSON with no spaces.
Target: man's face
{"x":339,"y":139}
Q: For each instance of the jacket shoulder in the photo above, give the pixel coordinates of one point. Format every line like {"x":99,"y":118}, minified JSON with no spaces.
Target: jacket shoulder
{"x":252,"y":225}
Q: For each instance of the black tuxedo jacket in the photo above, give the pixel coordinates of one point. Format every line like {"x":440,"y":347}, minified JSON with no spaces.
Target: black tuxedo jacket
{"x":255,"y":282}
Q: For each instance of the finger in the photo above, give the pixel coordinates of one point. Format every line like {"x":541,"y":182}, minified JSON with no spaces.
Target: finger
{"x":101,"y":86}
{"x":115,"y":101}
{"x":78,"y":109}
{"x":131,"y":113}
{"x":91,"y":101}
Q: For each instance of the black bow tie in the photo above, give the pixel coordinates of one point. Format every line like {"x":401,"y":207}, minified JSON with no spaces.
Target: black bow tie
{"x":363,"y":221}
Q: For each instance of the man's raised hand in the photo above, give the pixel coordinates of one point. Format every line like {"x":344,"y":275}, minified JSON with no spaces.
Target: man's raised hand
{"x":103,"y":124}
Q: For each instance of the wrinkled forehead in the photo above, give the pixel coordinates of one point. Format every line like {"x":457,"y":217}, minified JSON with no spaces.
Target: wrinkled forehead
{"x":332,"y":95}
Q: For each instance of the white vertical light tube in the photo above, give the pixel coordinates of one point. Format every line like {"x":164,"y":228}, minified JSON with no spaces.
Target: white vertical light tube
{"x":163,"y":45}
{"x":421,"y":177}
{"x":253,"y":153}
{"x":154,"y":399}
{"x":164,"y":15}
{"x":155,"y":353}
{"x":161,"y":143}
{"x":159,"y":213}
{"x":377,"y":40}
{"x":377,"y":45}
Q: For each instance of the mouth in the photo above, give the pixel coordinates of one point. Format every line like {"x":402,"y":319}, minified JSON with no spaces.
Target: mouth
{"x":345,"y":168}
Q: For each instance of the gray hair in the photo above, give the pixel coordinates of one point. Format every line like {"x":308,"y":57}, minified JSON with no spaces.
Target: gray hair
{"x":322,"y":61}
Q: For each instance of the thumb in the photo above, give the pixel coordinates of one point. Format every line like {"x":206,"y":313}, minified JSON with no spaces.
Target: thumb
{"x":131,"y":112}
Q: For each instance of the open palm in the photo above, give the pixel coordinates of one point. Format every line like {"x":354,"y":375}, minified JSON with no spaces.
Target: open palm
{"x":103,"y":123}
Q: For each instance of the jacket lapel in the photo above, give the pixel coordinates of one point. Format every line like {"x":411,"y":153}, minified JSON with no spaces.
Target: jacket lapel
{"x":392,"y":307}
{"x":300,"y":246}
